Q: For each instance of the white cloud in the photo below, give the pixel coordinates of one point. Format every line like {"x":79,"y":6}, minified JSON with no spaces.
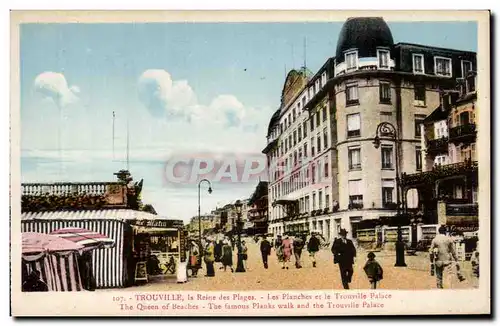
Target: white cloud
{"x":54,"y":85}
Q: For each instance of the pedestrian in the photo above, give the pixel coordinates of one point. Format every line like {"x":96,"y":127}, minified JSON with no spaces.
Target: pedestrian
{"x":278,"y":245}
{"x":227,"y":256}
{"x":244,"y":254}
{"x":443,"y":255}
{"x":265,"y":250}
{"x":287,"y":251}
{"x":34,"y":283}
{"x":210,"y":258}
{"x":218,"y":252}
{"x":194,"y":253}
{"x":298,"y":245}
{"x":474,"y":260}
{"x":313,"y":247}
{"x":344,"y":253}
{"x":373,"y":270}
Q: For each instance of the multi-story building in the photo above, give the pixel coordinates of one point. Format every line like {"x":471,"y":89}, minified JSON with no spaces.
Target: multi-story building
{"x":209,"y":224}
{"x":258,"y":209}
{"x":324,"y":171}
{"x":448,"y":185}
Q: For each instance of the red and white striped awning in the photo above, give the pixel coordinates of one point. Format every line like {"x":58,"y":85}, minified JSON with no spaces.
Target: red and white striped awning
{"x":87,"y":238}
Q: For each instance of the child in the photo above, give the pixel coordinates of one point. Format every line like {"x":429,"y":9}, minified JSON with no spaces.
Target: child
{"x":373,"y":270}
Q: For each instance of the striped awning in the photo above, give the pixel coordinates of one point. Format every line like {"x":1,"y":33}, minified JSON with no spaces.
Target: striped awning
{"x":86,"y":238}
{"x":34,"y":243}
{"x":105,"y":214}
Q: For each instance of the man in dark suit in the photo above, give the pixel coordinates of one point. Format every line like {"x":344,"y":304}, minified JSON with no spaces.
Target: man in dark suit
{"x":265,"y":250}
{"x":343,"y":254}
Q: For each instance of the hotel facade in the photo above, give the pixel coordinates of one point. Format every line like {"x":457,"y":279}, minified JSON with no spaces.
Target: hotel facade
{"x":324,"y":171}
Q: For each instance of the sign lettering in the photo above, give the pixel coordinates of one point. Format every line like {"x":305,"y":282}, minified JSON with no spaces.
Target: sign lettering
{"x":176,"y":224}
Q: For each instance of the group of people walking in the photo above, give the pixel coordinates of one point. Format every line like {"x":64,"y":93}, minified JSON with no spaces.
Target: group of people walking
{"x":219,"y":251}
{"x":442,"y":255}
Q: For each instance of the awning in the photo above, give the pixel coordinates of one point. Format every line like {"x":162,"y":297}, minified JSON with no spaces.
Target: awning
{"x":88,"y":239}
{"x":40,"y":243}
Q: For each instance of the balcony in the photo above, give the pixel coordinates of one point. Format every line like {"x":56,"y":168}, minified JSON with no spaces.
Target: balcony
{"x":463,"y":134}
{"x":67,"y":188}
{"x":437,"y":146}
{"x":438,"y":172}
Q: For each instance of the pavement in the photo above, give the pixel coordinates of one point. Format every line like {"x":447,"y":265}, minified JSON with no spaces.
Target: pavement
{"x":416,"y":276}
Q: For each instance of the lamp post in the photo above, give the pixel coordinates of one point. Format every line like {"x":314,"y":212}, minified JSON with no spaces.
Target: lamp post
{"x":199,"y":206}
{"x":386,"y":129}
{"x":239,"y":267}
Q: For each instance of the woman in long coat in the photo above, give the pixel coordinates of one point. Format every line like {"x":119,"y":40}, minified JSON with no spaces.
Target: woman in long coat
{"x":287,"y":251}
{"x":210,"y":258}
{"x":227,"y":256}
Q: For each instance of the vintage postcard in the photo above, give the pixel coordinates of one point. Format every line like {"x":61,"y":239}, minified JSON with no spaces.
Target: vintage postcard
{"x":245,"y":163}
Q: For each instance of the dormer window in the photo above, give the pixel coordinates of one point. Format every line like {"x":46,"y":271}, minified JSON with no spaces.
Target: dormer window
{"x":323,"y":78}
{"x":351,"y":59}
{"x":383,"y":59}
{"x":418,"y":64}
{"x":442,"y":66}
{"x":470,"y":83}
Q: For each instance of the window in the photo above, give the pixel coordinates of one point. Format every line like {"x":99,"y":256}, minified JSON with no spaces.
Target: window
{"x":320,"y":199}
{"x":325,"y":138}
{"x":307,"y":203}
{"x":383,"y":58}
{"x":351,"y":94}
{"x":418,"y":158}
{"x":294,"y":137}
{"x":290,"y":141}
{"x":313,"y":152}
{"x":299,"y":133}
{"x":325,"y":113}
{"x":305,"y":150}
{"x":418,"y":64}
{"x":354,"y":154}
{"x":318,"y":140}
{"x":466,"y":67}
{"x":303,"y":101}
{"x":418,"y":123}
{"x":470,"y":83}
{"x":387,"y":192}
{"x":351,"y":59}
{"x":327,"y":199}
{"x":326,"y":170}
{"x":311,"y":120}
{"x":353,"y":125}
{"x":304,"y":128}
{"x":385,"y":92}
{"x":318,"y":120}
{"x":419,"y":95}
{"x":323,"y":78}
{"x":355,"y":194}
{"x":313,"y":173}
{"x":386,"y":157}
{"x":286,"y":123}
{"x":317,"y":86}
{"x":314,"y":202}
{"x":442,"y":66}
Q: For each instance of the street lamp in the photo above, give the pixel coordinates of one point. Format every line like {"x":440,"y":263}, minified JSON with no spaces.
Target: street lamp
{"x":199,"y":206}
{"x":239,"y":267}
{"x":386,"y":129}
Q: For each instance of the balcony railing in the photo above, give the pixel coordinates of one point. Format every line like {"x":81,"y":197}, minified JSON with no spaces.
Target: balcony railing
{"x":439,"y":172}
{"x":67,"y":188}
{"x":439,"y":145}
{"x":462,"y":209}
{"x":463,"y":133}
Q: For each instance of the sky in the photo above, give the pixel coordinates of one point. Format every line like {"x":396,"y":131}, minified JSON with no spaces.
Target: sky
{"x":176,"y":89}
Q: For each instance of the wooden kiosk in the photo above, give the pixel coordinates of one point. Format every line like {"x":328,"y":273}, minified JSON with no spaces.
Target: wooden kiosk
{"x":159,"y":245}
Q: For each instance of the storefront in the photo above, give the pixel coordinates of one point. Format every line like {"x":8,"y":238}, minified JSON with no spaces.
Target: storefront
{"x":158,"y":247}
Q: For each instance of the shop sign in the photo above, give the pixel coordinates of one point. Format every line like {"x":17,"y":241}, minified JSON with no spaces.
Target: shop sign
{"x":167,"y":224}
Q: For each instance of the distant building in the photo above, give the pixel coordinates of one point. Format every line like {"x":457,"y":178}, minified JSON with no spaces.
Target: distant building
{"x":258,"y":210}
{"x":324,"y":171}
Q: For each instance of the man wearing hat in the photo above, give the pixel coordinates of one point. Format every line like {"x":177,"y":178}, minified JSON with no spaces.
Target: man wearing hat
{"x":343,"y":254}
